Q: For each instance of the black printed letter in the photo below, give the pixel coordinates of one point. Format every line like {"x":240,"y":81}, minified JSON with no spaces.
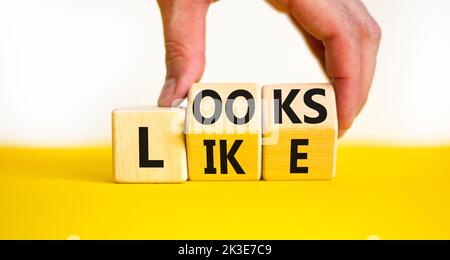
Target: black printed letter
{"x":225,"y":157}
{"x":210,"y":169}
{"x":316,"y":106}
{"x":279,"y":106}
{"x":144,"y":162}
{"x":295,"y":155}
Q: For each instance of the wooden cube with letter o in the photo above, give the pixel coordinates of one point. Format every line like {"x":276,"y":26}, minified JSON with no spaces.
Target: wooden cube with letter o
{"x":223,"y":132}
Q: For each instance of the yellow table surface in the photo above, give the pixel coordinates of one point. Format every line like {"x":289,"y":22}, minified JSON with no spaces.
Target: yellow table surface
{"x":380,"y":192}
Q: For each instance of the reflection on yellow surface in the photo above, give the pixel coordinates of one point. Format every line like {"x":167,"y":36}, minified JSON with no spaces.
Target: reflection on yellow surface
{"x":379,"y":192}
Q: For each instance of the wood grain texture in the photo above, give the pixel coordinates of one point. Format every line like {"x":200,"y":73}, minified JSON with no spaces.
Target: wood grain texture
{"x":164,"y":128}
{"x":245,"y":134}
{"x":308,"y":147}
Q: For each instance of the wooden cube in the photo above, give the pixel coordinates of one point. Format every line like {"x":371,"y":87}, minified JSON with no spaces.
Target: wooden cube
{"x":299,"y":132}
{"x":149,"y":145}
{"x":223,"y":132}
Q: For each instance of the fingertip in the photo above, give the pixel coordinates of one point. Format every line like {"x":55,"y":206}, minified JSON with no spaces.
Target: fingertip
{"x":347,"y":93}
{"x":341,"y":133}
{"x":167,"y":93}
{"x":182,"y":72}
{"x":346,"y":116}
{"x":344,"y":124}
{"x":174,"y":92}
{"x":164,"y":102}
{"x":170,"y":102}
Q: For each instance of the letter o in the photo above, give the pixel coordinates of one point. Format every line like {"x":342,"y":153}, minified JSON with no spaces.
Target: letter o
{"x":217,"y":107}
{"x":229,"y":107}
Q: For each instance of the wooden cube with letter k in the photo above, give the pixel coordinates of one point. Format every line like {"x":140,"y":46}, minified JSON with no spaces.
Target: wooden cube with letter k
{"x":223,"y":132}
{"x":299,"y":132}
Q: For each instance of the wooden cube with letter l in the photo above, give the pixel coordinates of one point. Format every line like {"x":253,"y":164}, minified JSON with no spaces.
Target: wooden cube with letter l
{"x":223,"y":132}
{"x":149,"y":145}
{"x":299,"y":132}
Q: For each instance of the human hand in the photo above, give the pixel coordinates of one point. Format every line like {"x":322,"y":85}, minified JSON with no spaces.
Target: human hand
{"x":341,"y":33}
{"x":184,"y":39}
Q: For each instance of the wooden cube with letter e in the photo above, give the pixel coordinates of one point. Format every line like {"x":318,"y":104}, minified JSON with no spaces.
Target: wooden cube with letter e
{"x":299,"y":132}
{"x":149,"y":145}
{"x":223,"y":132}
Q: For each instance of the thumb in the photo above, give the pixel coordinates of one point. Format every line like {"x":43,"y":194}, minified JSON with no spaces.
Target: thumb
{"x":184,"y":34}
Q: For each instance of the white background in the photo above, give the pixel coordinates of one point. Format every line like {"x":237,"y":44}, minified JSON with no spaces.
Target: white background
{"x":65,"y":64}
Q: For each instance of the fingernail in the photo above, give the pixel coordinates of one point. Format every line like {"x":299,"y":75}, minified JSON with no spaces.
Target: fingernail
{"x":167,"y":93}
